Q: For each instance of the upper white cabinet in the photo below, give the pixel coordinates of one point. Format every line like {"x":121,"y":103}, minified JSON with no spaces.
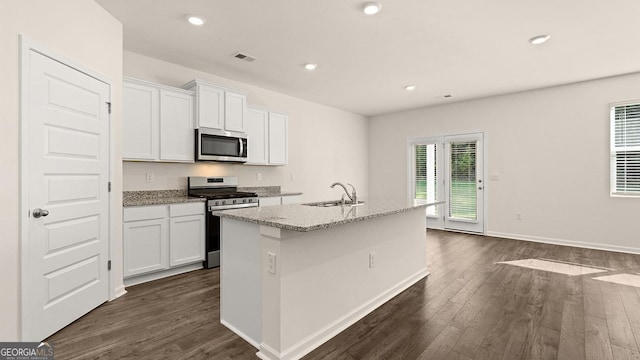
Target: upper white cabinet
{"x":267,"y":137}
{"x":141,"y":119}
{"x":157,"y":122}
{"x":217,"y":107}
{"x":257,"y":136}
{"x":278,"y":138}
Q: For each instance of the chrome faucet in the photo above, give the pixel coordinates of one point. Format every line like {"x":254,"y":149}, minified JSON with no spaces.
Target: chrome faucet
{"x":353,"y":196}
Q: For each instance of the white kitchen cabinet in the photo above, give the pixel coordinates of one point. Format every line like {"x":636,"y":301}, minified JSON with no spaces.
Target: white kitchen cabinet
{"x":257,"y":136}
{"x":267,"y":137}
{"x":235,"y":107}
{"x":280,"y":200}
{"x":217,"y":107}
{"x":270,"y":201}
{"x":157,"y":122}
{"x":176,"y":126}
{"x":146,"y":240}
{"x":159,"y":238}
{"x":291,"y":199}
{"x":187,"y":234}
{"x":278,"y":138}
{"x":141,"y":108}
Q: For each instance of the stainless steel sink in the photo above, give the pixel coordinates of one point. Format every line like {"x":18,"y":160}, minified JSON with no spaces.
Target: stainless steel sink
{"x":334,"y":203}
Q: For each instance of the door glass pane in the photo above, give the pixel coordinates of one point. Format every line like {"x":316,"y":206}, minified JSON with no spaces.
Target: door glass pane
{"x":462,"y":182}
{"x":425,"y":181}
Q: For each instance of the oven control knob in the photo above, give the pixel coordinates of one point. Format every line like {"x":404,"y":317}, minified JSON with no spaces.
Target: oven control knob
{"x":217,"y":203}
{"x":224,"y":202}
{"x":234,"y":201}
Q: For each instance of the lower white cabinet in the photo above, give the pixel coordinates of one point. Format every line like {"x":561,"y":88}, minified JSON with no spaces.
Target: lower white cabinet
{"x":280,"y":200}
{"x":270,"y":201}
{"x":291,"y":199}
{"x":161,"y":237}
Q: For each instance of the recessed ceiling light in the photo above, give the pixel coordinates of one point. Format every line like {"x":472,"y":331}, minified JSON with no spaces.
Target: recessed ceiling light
{"x":371,"y":7}
{"x":310,"y":66}
{"x":537,"y":40}
{"x":196,"y":20}
{"x":410,"y":87}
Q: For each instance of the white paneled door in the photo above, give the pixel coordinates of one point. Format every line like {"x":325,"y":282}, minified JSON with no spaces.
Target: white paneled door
{"x":65,"y":159}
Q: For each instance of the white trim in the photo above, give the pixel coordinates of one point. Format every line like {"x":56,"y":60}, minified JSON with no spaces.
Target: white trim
{"x":117,"y":292}
{"x":27,"y":45}
{"x":311,"y":342}
{"x":135,"y":280}
{"x":564,"y":242}
{"x":244,"y":336}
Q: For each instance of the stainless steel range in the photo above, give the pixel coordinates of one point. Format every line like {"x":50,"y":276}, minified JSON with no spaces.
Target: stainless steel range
{"x":221,"y":194}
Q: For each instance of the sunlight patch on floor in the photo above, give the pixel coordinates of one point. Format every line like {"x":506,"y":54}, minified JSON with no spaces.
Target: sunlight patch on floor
{"x":554,"y":266}
{"x":621,"y":279}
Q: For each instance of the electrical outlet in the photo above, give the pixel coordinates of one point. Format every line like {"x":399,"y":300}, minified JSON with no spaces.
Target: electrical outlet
{"x":372,"y":260}
{"x":518,"y":216}
{"x":271,"y":263}
{"x":258,"y":176}
{"x":150,"y":177}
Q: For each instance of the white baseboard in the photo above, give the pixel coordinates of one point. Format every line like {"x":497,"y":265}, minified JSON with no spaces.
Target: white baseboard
{"x":135,"y":280}
{"x":554,"y":241}
{"x":246,"y":338}
{"x":120,"y":290}
{"x":323,"y":335}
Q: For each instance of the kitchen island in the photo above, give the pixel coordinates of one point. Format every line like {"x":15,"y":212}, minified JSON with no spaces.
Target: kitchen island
{"x":294,"y":276}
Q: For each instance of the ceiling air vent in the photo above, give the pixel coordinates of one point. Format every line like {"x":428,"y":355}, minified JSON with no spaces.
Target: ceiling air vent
{"x":244,"y":57}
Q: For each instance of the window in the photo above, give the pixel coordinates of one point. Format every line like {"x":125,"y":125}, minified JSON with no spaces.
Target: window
{"x":425,"y":181}
{"x":625,"y":149}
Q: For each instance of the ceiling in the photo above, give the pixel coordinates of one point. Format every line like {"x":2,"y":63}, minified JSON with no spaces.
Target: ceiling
{"x":465,"y":48}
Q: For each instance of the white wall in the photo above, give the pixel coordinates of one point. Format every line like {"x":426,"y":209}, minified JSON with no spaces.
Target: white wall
{"x":325,"y":144}
{"x":79,"y":30}
{"x":551,"y":149}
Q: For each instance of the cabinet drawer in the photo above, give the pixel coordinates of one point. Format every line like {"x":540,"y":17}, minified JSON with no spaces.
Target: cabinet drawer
{"x":144,"y":213}
{"x":196,"y":208}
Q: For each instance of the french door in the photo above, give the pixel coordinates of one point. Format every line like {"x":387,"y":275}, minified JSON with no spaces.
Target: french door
{"x":449,"y":169}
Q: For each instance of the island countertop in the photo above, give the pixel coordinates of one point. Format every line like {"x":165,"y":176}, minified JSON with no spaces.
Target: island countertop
{"x":304,"y":218}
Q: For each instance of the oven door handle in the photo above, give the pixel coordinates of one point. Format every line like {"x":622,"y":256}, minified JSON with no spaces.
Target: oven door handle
{"x":241,"y":147}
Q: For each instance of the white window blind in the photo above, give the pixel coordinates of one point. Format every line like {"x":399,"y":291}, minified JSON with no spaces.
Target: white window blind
{"x":462,"y":186}
{"x":625,"y":149}
{"x":425,"y":175}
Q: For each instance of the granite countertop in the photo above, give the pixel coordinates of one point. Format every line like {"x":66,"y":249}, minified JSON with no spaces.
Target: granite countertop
{"x":304,"y":218}
{"x":157,"y":197}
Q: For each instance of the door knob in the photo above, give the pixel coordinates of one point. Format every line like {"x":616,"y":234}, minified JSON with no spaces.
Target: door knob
{"x":40,"y":212}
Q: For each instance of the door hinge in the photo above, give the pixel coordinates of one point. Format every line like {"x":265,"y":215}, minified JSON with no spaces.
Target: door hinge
{"x":109,"y":186}
{"x":109,"y":265}
{"x":109,"y":107}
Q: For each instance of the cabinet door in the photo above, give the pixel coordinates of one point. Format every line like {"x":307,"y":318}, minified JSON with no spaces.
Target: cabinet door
{"x":146,"y":246}
{"x":278,"y":146}
{"x":234,"y":111}
{"x":257,"y":136}
{"x":140,"y":113}
{"x":210,"y":105}
{"x":270,"y":201}
{"x":291,"y":199}
{"x":176,"y":126}
{"x":186,"y":239}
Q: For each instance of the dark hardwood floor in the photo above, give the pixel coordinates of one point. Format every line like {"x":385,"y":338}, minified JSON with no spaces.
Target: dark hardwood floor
{"x":468,"y":308}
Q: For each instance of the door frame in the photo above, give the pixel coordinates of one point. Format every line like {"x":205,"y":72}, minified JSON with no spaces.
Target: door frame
{"x":27,"y":45}
{"x":410,"y":186}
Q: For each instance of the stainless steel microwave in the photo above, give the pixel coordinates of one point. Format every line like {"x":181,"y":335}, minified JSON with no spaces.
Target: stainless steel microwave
{"x":219,"y":145}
